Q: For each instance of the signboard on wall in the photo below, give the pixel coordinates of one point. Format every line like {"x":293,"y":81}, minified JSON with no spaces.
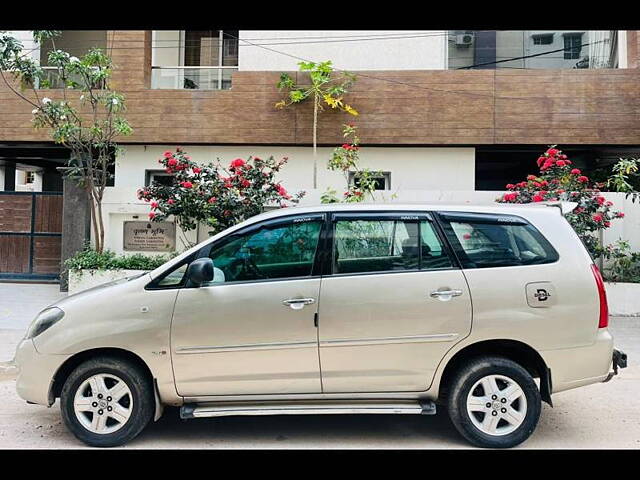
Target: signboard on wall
{"x":149,"y":236}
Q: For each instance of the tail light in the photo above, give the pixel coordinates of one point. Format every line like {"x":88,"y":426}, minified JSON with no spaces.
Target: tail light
{"x":604,"y":307}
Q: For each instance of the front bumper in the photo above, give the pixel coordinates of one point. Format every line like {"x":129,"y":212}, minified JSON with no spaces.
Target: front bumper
{"x":35,"y":373}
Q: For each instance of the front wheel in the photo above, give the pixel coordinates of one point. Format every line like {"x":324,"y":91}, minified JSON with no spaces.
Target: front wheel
{"x":106,"y":402}
{"x":494,"y":402}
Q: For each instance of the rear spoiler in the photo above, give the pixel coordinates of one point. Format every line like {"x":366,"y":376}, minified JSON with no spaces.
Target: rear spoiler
{"x":565,"y":207}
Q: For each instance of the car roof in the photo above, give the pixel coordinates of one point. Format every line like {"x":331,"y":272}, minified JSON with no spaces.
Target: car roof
{"x":496,"y":208}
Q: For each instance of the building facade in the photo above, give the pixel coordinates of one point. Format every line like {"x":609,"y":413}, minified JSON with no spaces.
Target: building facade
{"x":441,"y":114}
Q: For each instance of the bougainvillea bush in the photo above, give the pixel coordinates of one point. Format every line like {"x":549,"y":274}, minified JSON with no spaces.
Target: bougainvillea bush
{"x":560,"y":180}
{"x":217,"y":196}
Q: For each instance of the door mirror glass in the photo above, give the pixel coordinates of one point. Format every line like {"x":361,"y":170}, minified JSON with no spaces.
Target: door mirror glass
{"x":200,"y":271}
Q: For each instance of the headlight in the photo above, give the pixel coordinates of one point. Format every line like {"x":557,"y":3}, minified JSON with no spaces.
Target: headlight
{"x":44,"y":320}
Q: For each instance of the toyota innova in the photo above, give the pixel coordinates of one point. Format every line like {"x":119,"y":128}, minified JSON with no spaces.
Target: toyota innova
{"x":336,"y":309}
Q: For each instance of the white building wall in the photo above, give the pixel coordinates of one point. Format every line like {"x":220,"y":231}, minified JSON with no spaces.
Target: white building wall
{"x":426,"y":51}
{"x":440,"y":171}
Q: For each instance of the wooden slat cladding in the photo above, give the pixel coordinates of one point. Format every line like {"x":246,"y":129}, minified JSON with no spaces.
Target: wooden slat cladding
{"x":46,"y":254}
{"x":15,"y":213}
{"x":48,"y":214}
{"x":451,"y":107}
{"x":14,"y":254}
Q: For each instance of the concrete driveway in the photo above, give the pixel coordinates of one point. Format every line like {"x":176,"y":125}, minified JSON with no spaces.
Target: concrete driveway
{"x":598,"y":416}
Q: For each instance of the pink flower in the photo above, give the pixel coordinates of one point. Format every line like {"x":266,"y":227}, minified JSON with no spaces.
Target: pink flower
{"x":238,"y":163}
{"x":197,"y":170}
{"x":607,"y":224}
{"x":597,"y":217}
{"x":553,"y":151}
{"x":510,"y":186}
{"x":620,"y":215}
{"x":154,"y":205}
{"x":245,"y":183}
{"x":172,"y":162}
{"x":576,"y":171}
{"x":531,"y":177}
{"x":600,"y":200}
{"x":168,"y":154}
{"x":538,"y":198}
{"x":171,"y":201}
{"x":561,"y":163}
{"x":186,"y":184}
{"x":583,"y":179}
{"x":152,"y":215}
{"x":212,"y":200}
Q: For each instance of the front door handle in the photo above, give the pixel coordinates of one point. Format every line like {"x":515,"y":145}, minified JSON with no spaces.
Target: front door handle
{"x":298,"y":303}
{"x":445,"y":295}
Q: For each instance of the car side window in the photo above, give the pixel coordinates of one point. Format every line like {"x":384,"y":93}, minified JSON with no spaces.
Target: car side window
{"x":375,"y":246}
{"x":271,"y":252}
{"x":433,"y":254}
{"x":504,"y":242}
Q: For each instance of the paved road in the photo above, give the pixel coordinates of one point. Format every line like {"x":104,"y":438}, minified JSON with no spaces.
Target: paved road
{"x":598,"y":416}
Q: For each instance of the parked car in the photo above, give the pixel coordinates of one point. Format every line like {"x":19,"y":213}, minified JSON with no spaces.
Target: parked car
{"x":484,"y":311}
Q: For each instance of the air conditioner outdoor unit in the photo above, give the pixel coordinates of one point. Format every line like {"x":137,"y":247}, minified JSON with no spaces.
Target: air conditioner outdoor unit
{"x":464,"y":39}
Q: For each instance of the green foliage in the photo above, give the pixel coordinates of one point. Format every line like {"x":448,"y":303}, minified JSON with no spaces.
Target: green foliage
{"x":624,"y":265}
{"x":560,"y":181}
{"x":345,"y":159}
{"x":214,"y":195}
{"x":623,"y":174}
{"x":89,"y":259}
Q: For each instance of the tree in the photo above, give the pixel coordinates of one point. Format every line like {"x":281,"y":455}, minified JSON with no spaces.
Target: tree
{"x":346,"y":158}
{"x":88,"y":126}
{"x":559,"y":180}
{"x":216,"y":196}
{"x":326,"y":88}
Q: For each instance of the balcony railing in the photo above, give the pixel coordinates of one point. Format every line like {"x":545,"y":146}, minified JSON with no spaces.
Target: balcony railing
{"x":196,"y":78}
{"x":52,"y":79}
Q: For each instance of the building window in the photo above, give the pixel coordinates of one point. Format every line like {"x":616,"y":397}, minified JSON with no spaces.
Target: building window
{"x":382,"y":181}
{"x":546,"y":39}
{"x":158,"y":176}
{"x":193,"y":59}
{"x":572,"y":46}
{"x":29,"y":177}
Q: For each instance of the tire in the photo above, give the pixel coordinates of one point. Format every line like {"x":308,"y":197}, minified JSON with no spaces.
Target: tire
{"x":119,"y":419}
{"x":488,"y":422}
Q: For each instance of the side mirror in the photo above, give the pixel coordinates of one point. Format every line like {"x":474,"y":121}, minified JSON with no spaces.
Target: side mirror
{"x":200,"y":271}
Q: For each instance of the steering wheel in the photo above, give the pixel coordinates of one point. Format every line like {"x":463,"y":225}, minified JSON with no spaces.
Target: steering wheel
{"x":244,"y":267}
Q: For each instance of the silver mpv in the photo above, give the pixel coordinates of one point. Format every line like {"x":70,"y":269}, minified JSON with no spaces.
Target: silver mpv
{"x":392,"y":308}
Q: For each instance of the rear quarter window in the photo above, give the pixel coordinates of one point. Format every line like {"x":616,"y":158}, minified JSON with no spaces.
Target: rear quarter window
{"x":485,"y":241}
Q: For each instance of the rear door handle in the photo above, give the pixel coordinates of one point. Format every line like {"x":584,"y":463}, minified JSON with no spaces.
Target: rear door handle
{"x":445,"y":295}
{"x":298,"y":303}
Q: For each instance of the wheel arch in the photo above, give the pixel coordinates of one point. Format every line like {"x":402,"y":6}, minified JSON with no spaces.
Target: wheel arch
{"x":514,"y":350}
{"x":71,"y":363}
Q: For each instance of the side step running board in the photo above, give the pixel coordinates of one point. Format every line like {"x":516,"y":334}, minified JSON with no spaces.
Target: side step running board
{"x":194,"y":410}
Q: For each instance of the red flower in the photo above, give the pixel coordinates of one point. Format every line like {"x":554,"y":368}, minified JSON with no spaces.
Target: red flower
{"x":197,"y":170}
{"x":576,"y":171}
{"x":620,"y":215}
{"x":510,"y":186}
{"x":607,"y":224}
{"x":171,"y":201}
{"x":553,"y":151}
{"x":561,"y":163}
{"x":212,"y":200}
{"x":245,"y":183}
{"x":172,"y":162}
{"x":597,"y":217}
{"x":152,"y":215}
{"x":583,"y":179}
{"x":600,"y":200}
{"x":538,"y":198}
{"x":186,"y":184}
{"x":238,"y":163}
{"x":531,"y":177}
{"x":168,"y":170}
{"x":168,"y":154}
{"x":510,"y":197}
{"x":541,"y":160}
{"x":282,"y":191}
{"x":154,"y":205}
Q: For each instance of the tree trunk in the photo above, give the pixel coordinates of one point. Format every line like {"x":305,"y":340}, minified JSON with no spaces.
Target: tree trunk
{"x":315,"y":143}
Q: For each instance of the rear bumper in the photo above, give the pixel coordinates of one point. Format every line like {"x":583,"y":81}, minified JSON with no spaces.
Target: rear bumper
{"x":618,"y":360}
{"x":576,"y":367}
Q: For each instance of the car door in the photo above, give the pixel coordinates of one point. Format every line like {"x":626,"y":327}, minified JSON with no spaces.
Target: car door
{"x":252,"y":329}
{"x":395,"y":302}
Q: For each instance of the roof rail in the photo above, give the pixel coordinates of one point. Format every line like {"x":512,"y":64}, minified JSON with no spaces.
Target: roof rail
{"x":565,"y":207}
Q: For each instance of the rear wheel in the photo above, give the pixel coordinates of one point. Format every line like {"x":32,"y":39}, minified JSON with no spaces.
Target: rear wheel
{"x":106,"y":402}
{"x":494,"y":402}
